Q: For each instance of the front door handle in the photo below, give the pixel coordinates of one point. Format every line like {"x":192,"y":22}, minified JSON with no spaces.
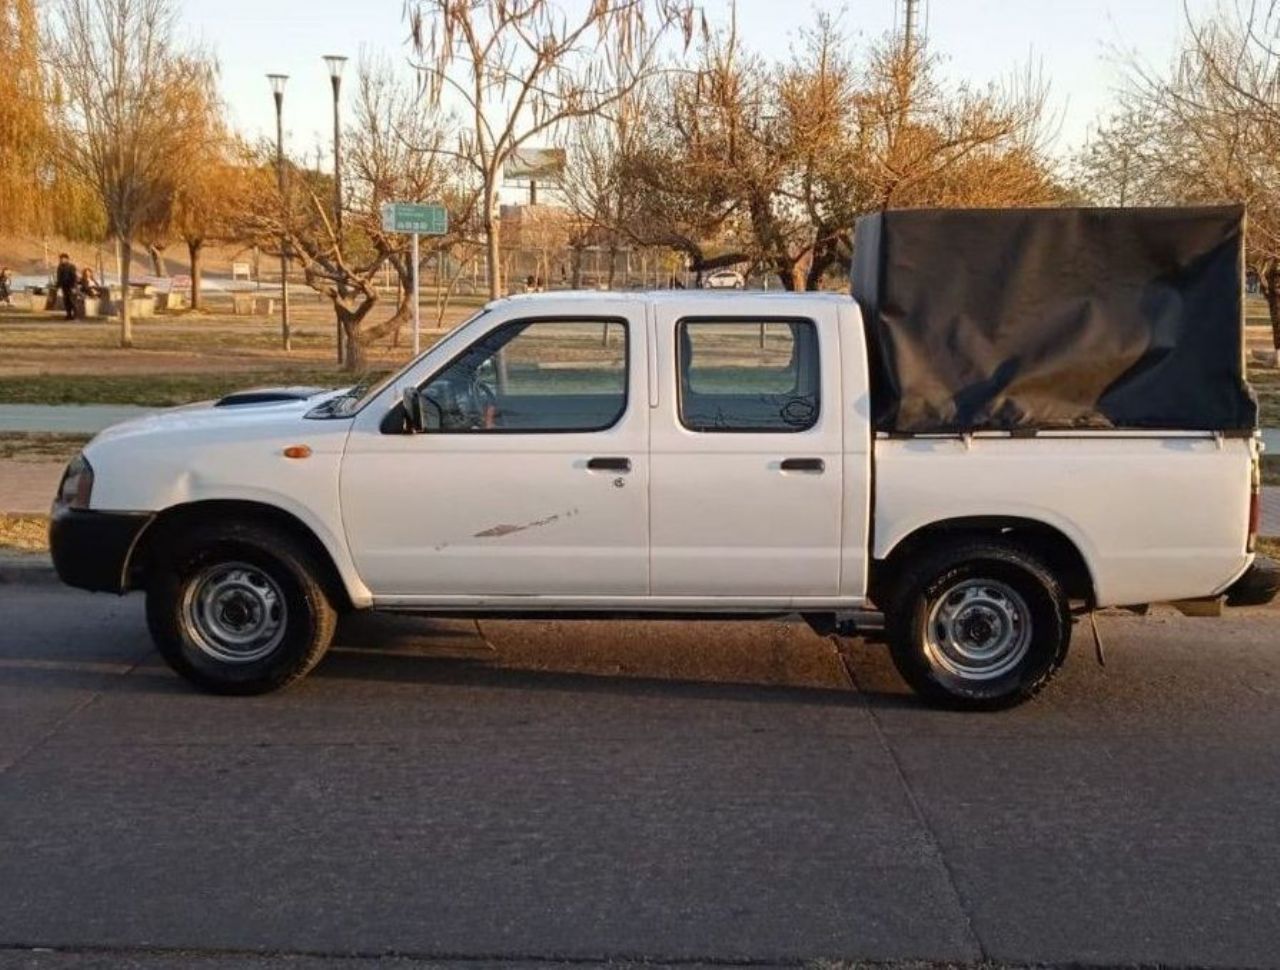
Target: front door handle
{"x":609,"y":464}
{"x":804,"y":465}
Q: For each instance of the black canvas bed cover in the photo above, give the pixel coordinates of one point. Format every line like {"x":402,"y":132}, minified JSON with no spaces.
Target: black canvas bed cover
{"x":1038,"y":319}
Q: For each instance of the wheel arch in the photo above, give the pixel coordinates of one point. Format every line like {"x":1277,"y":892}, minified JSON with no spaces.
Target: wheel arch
{"x":1059,"y":552}
{"x":178,"y":517}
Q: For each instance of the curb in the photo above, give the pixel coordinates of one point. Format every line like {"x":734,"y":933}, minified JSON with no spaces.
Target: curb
{"x":21,"y":569}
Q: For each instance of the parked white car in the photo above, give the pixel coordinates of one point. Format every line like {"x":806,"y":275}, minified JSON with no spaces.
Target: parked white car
{"x":696,"y":454}
{"x":724,"y":279}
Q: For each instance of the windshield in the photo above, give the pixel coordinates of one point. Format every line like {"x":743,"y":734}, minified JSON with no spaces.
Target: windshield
{"x":350,"y":401}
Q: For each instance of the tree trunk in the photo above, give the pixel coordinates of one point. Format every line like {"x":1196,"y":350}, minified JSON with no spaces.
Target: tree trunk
{"x":612,"y":275}
{"x":157,"y":259}
{"x":358,"y":338}
{"x":357,"y":355}
{"x":124,"y":255}
{"x":791,"y":276}
{"x":1272,"y":287}
{"x":493,"y":244}
{"x":195,"y":250}
{"x":576,"y":270}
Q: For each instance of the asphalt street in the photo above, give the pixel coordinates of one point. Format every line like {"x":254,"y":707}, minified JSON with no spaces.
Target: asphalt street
{"x":522,"y":794}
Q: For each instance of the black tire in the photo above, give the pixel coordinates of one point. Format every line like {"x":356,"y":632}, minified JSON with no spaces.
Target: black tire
{"x":211,"y":575}
{"x":945,"y":603}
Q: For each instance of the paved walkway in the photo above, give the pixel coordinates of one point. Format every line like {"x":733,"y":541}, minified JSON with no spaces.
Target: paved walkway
{"x":66,"y":418}
{"x":1270,"y":511}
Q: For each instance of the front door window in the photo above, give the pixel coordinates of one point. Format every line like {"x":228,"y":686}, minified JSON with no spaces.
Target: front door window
{"x":534,"y":376}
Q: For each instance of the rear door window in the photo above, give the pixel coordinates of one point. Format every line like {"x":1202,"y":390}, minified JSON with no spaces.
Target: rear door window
{"x":748,"y":375}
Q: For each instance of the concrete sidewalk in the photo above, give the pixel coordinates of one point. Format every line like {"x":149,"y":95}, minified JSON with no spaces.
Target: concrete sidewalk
{"x":67,"y":418}
{"x":1270,"y":511}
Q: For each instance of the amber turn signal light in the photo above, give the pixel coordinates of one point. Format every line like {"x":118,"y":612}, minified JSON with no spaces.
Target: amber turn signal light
{"x":298,"y":451}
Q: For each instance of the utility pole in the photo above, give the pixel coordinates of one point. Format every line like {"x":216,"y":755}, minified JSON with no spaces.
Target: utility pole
{"x":277,"y":91}
{"x":335,"y":63}
{"x":909,"y":24}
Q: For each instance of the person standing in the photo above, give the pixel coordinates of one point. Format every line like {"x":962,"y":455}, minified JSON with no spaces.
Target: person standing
{"x":6,"y":284}
{"x":66,"y":280}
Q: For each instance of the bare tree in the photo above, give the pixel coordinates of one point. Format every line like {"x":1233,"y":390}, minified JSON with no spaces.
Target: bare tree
{"x":202,"y":192}
{"x":392,"y":154}
{"x":523,"y":68}
{"x":133,"y":97}
{"x":1204,"y":130}
{"x":203,"y":209}
{"x":781,"y":159}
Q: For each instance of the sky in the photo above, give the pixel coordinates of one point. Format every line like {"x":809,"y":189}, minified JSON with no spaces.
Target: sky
{"x":1077,"y":44}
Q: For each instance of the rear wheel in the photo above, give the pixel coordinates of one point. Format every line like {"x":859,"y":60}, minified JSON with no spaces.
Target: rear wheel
{"x":236,"y":608}
{"x":978,"y":625}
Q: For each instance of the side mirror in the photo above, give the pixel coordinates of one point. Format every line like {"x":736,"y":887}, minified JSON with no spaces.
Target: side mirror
{"x":421,"y":413}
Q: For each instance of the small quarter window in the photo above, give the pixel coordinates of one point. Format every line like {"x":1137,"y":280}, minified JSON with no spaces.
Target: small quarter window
{"x":748,"y":375}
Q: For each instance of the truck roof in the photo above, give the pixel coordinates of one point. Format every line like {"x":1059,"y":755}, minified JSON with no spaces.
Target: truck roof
{"x":669,"y":296}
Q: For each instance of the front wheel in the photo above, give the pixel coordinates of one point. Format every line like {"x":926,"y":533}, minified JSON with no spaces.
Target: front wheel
{"x":236,"y":608}
{"x":978,"y":625}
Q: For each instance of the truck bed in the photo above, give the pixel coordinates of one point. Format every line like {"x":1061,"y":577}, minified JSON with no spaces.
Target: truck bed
{"x":1157,"y":517}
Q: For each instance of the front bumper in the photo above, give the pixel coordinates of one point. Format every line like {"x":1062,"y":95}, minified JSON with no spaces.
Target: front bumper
{"x":91,"y":549}
{"x":1258,"y":586}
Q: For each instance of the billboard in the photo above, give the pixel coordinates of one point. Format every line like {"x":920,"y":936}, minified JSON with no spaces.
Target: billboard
{"x":538,"y":164}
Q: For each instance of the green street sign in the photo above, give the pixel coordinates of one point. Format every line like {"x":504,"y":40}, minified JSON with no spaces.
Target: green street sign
{"x":426,"y":219}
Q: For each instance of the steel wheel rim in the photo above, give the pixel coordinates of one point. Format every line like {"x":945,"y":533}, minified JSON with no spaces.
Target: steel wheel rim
{"x":234,"y":613}
{"x":978,"y":630}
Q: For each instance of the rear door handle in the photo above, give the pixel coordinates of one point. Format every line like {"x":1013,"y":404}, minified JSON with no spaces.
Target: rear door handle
{"x":609,"y":464}
{"x":804,"y":465}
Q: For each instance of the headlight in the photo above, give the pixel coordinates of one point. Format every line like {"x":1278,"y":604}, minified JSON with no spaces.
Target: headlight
{"x":77,"y":484}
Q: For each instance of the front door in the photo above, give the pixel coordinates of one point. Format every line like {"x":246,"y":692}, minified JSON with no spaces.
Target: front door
{"x":746,"y":456}
{"x":533,"y":480}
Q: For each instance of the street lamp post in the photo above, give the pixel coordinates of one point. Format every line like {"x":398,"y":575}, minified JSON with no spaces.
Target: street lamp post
{"x":336,"y":62}
{"x":277,"y":91}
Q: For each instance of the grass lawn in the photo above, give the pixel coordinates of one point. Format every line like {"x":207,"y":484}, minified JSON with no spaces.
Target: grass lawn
{"x":24,"y":533}
{"x":1266,"y":384}
{"x":40,"y":446}
{"x":1271,"y":469}
{"x":184,"y":357}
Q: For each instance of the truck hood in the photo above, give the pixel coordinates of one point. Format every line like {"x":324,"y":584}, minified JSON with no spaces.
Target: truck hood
{"x":259,"y":410}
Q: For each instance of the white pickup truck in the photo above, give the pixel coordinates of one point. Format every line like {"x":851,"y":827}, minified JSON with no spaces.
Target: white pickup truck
{"x":693,"y":454}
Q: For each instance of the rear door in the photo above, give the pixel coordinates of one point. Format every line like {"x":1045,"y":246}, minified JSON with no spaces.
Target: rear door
{"x":746,"y":454}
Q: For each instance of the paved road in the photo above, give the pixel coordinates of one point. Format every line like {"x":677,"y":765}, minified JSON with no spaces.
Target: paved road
{"x":528,"y":793}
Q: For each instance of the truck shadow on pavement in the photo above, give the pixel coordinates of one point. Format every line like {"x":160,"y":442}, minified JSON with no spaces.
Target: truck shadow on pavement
{"x":1178,"y":661}
{"x":761,"y":661}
